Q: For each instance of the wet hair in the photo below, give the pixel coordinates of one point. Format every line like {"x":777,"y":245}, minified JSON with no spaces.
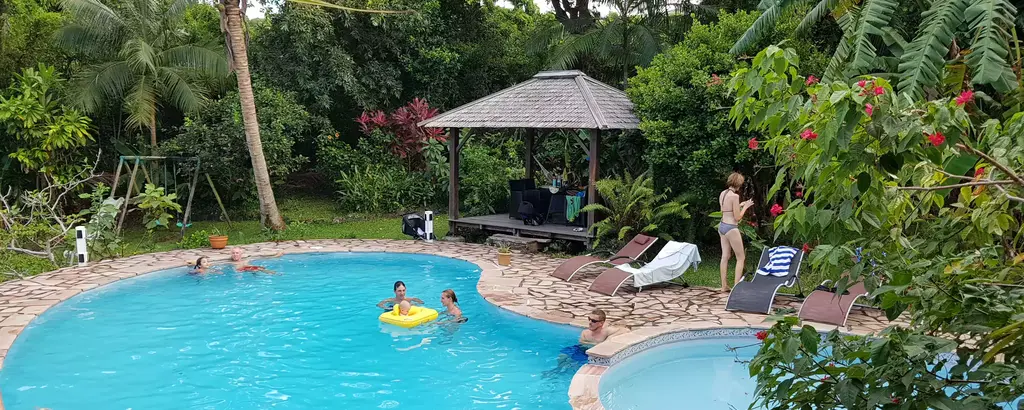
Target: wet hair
{"x":199,"y":262}
{"x":399,"y":283}
{"x":735,"y":180}
{"x":451,"y":295}
{"x":599,"y":313}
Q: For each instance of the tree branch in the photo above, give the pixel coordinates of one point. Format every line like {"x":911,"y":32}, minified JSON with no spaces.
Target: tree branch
{"x":1010,"y":197}
{"x":997,"y":164}
{"x":941,"y":187}
{"x":27,"y":252}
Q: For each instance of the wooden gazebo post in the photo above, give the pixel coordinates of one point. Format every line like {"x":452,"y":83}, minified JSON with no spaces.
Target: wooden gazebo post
{"x":595,"y":154}
{"x":530,"y":134}
{"x":453,"y":173}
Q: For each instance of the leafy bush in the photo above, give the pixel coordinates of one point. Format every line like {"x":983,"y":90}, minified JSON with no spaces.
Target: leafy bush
{"x":197,"y":239}
{"x":631,"y":207}
{"x":103,"y":240}
{"x":217,"y":138}
{"x":409,"y":138}
{"x":156,"y":206}
{"x":483,"y":186}
{"x":379,"y":188}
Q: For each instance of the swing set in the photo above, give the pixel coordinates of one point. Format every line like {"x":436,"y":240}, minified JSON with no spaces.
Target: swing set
{"x":133,"y":163}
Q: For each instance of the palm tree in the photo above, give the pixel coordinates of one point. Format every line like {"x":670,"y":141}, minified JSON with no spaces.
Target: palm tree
{"x":232,"y":19}
{"x":977,"y":33}
{"x":143,"y":61}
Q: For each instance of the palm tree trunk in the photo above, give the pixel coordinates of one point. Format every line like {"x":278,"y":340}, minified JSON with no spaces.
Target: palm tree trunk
{"x":269,"y":214}
{"x":152,"y":131}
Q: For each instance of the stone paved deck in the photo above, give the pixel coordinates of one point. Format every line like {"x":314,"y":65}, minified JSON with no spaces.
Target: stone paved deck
{"x":524,"y":287}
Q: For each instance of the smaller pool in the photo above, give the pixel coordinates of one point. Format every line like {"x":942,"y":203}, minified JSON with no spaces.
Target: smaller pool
{"x":700,"y":374}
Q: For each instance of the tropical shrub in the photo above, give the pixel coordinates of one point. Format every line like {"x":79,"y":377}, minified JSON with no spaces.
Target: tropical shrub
{"x":930,"y":194}
{"x":484,"y":175}
{"x":156,"y":206}
{"x":409,"y":139}
{"x":631,"y":206}
{"x":216,"y":136}
{"x":102,"y":223}
{"x":377,"y":188}
{"x":197,"y":239}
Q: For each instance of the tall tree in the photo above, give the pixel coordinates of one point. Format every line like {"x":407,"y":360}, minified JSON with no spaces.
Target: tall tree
{"x":142,"y":58}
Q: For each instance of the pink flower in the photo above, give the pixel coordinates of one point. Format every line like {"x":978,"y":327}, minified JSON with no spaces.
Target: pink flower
{"x":869,"y":109}
{"x":752,"y":143}
{"x":806,"y":249}
{"x":776,"y":210}
{"x":936,"y":138}
{"x":979,"y":171}
{"x":715,"y":80}
{"x":879,"y":91}
{"x":808,"y":134}
{"x":761,"y":335}
{"x":862,"y":83}
{"x":811,"y":80}
{"x":799,"y":194}
{"x":965,"y":97}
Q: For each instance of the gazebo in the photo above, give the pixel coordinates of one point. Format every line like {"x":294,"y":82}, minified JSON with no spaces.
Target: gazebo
{"x":551,"y":100}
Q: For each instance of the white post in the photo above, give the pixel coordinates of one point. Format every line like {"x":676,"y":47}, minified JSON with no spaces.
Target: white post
{"x":80,"y":245}
{"x":429,"y":225}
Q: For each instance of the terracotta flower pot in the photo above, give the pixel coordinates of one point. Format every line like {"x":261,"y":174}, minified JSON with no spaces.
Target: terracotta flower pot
{"x":504,"y":258}
{"x":218,"y":241}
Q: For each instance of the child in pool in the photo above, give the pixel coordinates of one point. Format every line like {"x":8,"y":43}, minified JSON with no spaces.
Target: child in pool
{"x":451,"y":304}
{"x":403,"y":308}
{"x":202,"y":264}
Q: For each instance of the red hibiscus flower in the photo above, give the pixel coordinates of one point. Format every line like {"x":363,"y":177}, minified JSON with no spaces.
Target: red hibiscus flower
{"x":806,"y":248}
{"x":811,"y":80}
{"x":799,"y":194}
{"x":826,"y":378}
{"x":869,"y":109}
{"x":879,"y":91}
{"x":979,"y":171}
{"x":936,"y":138}
{"x":808,"y":134}
{"x":776,"y":210}
{"x":965,"y":97}
{"x":752,"y":143}
{"x":761,"y":335}
{"x":896,"y":400}
{"x":862,"y":83}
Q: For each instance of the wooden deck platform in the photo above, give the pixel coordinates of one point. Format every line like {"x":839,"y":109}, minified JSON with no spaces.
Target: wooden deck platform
{"x":502,"y":223}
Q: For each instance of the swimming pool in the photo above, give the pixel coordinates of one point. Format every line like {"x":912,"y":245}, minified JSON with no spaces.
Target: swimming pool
{"x":698,"y":374}
{"x":308,"y":338}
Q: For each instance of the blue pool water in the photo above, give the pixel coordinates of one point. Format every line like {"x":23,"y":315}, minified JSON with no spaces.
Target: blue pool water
{"x":308,"y":338}
{"x":691,"y":375}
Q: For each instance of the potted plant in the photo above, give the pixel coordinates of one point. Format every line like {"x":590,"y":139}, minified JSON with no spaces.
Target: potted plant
{"x":218,"y":241}
{"x":504,"y":255}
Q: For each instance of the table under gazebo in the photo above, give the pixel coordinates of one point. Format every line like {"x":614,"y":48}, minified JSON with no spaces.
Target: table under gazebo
{"x":550,"y":101}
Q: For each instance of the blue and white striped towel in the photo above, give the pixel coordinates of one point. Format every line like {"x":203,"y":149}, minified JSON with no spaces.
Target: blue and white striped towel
{"x":779,"y":259}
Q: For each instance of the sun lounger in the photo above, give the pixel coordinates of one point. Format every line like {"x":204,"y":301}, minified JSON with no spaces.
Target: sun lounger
{"x":674,"y":259}
{"x":757,"y":294}
{"x":629,"y":253}
{"x":827,"y":307}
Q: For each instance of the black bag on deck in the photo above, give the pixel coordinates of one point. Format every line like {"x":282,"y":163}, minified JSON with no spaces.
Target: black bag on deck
{"x":414,"y":226}
{"x":529,"y":215}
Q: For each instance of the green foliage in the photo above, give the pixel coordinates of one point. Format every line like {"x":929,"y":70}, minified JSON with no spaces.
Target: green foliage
{"x":633,"y":207}
{"x":102,"y":222}
{"x":156,"y":206}
{"x":484,"y":176}
{"x":691,"y":145}
{"x":931,"y":192}
{"x":216,"y":136}
{"x":379,"y":188}
{"x":875,"y":33}
{"x":197,"y":239}
{"x":15,"y":265}
{"x":142,"y":58}
{"x":27,"y":36}
{"x":47,"y":132}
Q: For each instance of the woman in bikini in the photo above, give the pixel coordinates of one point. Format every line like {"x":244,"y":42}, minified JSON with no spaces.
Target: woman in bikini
{"x":728,"y":229}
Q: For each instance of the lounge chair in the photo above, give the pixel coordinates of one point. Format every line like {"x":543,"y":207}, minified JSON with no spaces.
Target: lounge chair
{"x":757,"y":294}
{"x":674,"y":259}
{"x":629,"y":253}
{"x":827,"y":307}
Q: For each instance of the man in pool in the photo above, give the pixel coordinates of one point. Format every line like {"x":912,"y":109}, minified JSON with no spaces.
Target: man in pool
{"x":242,"y":265}
{"x":389,"y":303}
{"x":596,"y":332}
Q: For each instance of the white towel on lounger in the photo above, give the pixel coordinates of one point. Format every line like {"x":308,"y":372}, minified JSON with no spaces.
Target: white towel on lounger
{"x":672,"y":261}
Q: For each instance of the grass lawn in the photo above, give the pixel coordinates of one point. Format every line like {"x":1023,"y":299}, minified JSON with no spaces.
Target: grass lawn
{"x":707,"y":273}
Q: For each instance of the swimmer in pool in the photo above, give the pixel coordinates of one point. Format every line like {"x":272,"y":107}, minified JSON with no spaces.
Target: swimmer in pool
{"x":451,"y":304}
{"x":596,"y":332}
{"x":389,"y":303}
{"x":202,"y":264}
{"x":242,"y":264}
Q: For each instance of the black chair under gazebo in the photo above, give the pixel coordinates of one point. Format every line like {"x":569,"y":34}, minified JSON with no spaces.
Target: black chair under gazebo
{"x":551,"y":100}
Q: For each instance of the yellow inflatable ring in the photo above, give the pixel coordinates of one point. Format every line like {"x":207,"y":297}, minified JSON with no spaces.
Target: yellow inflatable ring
{"x":417,"y":316}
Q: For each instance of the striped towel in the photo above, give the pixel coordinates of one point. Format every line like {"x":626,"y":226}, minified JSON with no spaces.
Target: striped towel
{"x":779,"y":259}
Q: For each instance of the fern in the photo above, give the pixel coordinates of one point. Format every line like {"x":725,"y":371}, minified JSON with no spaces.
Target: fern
{"x":632,"y":207}
{"x":766,"y":21}
{"x":874,"y":18}
{"x":922,"y":63}
{"x":989,"y":20}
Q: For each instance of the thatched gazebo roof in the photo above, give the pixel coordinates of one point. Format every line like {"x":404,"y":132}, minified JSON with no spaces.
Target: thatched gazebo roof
{"x":551,"y":99}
